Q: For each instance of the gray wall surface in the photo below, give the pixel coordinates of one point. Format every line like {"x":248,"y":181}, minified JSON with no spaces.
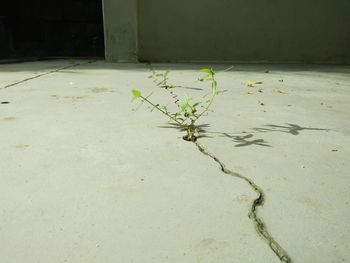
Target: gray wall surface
{"x":307,"y":31}
{"x":120,"y":23}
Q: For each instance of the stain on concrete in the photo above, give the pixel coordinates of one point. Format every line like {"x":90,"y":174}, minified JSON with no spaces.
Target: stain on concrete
{"x":99,"y":90}
{"x":75,"y":97}
{"x":22,"y":146}
{"x":212,"y":250}
{"x":68,"y":98}
{"x":242,"y":199}
{"x":312,"y":204}
{"x":212,"y":244}
{"x":9,"y":118}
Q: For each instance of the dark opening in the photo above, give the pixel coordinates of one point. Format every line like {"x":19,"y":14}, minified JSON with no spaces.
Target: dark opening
{"x":42,"y":28}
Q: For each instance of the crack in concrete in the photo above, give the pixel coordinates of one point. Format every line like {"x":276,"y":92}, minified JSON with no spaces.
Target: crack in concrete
{"x":253,"y":213}
{"x":259,"y":201}
{"x":44,"y":74}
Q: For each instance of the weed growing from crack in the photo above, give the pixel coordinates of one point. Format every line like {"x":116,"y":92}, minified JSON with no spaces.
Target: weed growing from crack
{"x":189,"y":111}
{"x":186,"y":116}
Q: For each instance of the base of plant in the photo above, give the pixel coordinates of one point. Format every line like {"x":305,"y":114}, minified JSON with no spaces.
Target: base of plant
{"x":191,"y":135}
{"x":189,"y":138}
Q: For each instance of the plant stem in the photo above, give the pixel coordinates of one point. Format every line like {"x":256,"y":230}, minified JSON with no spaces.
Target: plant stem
{"x":213,"y":86}
{"x":162,"y":111}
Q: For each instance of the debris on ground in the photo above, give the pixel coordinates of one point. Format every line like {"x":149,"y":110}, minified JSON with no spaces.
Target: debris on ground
{"x":279,"y":91}
{"x":251,"y":83}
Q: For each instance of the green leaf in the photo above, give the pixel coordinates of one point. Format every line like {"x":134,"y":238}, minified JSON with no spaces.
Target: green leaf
{"x":206,"y":70}
{"x":184,"y":106}
{"x":136,"y":94}
{"x":196,"y":104}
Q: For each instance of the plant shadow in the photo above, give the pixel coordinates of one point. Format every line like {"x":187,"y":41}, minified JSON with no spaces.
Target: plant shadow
{"x":290,"y":128}
{"x":202,"y":129}
{"x":239,"y":140}
{"x":246,"y":138}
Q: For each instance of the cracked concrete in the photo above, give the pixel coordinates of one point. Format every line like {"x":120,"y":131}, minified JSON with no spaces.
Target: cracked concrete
{"x":86,"y":179}
{"x":259,"y":224}
{"x":39,"y":75}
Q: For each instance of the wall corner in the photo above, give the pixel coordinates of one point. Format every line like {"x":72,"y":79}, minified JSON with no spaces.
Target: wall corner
{"x":120,"y":30}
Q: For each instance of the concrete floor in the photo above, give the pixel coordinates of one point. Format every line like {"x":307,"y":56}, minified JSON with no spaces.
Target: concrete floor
{"x":83,"y":178}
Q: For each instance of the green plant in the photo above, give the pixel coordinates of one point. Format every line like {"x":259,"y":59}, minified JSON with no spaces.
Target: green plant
{"x":189,"y":111}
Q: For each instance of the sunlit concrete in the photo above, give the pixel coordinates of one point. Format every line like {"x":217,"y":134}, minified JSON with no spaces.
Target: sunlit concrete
{"x":84,"y":178}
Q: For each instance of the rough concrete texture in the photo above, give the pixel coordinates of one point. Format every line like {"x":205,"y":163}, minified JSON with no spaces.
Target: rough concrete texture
{"x":86,"y":179}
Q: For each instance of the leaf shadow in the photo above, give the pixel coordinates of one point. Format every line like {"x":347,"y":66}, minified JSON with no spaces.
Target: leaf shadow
{"x":246,"y":138}
{"x":239,"y":140}
{"x":290,"y":128}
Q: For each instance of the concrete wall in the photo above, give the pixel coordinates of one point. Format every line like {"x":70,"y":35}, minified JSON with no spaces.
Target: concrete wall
{"x":120,"y":20}
{"x":303,"y":31}
{"x":245,"y":30}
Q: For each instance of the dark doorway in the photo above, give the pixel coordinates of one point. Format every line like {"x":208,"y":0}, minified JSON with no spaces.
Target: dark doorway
{"x":42,"y":28}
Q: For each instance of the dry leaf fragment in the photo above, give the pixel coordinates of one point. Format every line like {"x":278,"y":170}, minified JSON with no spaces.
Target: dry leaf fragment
{"x":251,"y":83}
{"x":280,"y":91}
